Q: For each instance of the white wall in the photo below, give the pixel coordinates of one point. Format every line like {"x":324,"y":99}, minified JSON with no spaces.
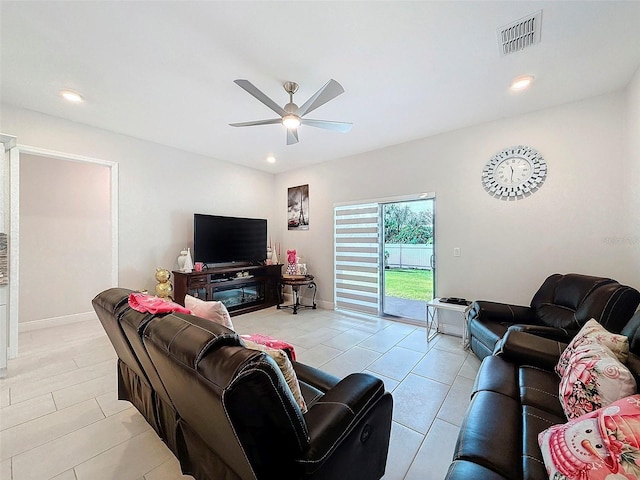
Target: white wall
{"x":65,"y":235}
{"x":508,"y":248}
{"x":159,"y":188}
{"x":631,"y":247}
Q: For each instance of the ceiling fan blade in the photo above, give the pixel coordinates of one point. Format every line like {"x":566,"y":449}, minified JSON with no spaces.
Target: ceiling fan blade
{"x":253,"y":90}
{"x":292,"y":136}
{"x":257,"y":122}
{"x":330,"y":91}
{"x":342,"y":127}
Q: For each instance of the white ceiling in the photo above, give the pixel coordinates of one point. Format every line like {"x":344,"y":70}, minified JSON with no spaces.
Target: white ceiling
{"x":164,"y":71}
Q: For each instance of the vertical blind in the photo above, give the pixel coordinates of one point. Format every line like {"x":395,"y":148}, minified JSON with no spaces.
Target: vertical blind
{"x":357,"y":258}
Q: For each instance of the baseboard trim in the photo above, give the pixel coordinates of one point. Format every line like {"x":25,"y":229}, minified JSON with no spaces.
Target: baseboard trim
{"x":55,"y":321}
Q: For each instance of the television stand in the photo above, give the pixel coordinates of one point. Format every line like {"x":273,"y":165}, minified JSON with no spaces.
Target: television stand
{"x":242,"y":289}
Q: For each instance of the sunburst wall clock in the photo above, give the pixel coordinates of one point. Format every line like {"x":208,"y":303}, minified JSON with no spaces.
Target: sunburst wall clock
{"x":514,"y":173}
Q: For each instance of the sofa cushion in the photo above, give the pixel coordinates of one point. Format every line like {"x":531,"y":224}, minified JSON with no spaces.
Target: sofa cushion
{"x":283,"y":362}
{"x":214,"y":311}
{"x":594,"y":333}
{"x":593,"y":378}
{"x":490,"y":440}
{"x":601,"y":444}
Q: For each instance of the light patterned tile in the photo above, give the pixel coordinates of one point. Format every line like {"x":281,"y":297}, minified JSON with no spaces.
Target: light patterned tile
{"x":440,"y":365}
{"x":353,"y":360}
{"x":455,"y":405}
{"x":169,"y":470}
{"x":396,"y":363}
{"x":312,"y":339}
{"x":110,"y":404}
{"x":416,"y":402}
{"x":68,"y":475}
{"x":4,"y":396}
{"x":347,"y":339}
{"x":470,"y":366}
{"x":98,"y":355}
{"x":36,"y":432}
{"x":5,"y":469}
{"x":126,"y":461}
{"x":403,"y":446}
{"x":77,"y":447}
{"x":435,"y":454}
{"x":383,"y":341}
{"x":28,"y":410}
{"x":24,"y":391}
{"x":318,"y":355}
{"x":83,"y":391}
{"x":417,"y":340}
{"x":450,"y":343}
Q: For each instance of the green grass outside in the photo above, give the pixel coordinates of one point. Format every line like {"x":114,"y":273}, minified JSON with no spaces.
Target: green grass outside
{"x":408,"y":283}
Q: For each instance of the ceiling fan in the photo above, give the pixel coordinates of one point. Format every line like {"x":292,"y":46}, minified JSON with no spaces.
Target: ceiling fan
{"x":291,"y":116}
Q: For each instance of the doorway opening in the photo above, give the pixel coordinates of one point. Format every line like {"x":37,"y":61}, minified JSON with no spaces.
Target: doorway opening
{"x":407,"y":243}
{"x":384,"y":261}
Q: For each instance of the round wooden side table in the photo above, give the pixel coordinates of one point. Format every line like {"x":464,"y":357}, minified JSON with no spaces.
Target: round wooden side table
{"x":295,"y":282}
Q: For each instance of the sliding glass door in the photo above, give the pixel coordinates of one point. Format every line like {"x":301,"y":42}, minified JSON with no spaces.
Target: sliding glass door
{"x":384,"y":259}
{"x":409,"y":261}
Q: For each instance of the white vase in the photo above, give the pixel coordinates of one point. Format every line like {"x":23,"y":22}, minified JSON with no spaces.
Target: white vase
{"x":274,"y":257}
{"x":188,"y":262}
{"x":181,"y":260}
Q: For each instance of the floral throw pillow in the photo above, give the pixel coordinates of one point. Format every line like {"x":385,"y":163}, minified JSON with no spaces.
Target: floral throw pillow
{"x":593,"y":378}
{"x":214,"y":311}
{"x":601,"y":445}
{"x":594,"y":333}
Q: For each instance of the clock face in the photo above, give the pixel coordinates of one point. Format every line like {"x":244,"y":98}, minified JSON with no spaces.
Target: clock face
{"x":514,"y":173}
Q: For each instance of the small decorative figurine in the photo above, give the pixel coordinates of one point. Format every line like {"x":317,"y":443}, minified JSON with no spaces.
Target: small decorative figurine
{"x":163,"y":287}
{"x":292,"y":268}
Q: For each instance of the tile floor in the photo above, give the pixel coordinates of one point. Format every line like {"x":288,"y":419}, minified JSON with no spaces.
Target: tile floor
{"x":60,"y":419}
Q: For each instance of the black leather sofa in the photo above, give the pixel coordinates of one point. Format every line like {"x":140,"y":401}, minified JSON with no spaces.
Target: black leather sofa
{"x":562,"y":305}
{"x":514,"y":398}
{"x":226,"y":411}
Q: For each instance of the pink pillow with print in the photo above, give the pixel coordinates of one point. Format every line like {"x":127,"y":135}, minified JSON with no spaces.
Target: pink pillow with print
{"x":601,"y":445}
{"x":594,"y":333}
{"x":214,"y":311}
{"x":593,"y":378}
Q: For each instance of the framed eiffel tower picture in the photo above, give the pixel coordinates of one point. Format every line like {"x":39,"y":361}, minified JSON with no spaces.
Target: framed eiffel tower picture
{"x":298,"y":208}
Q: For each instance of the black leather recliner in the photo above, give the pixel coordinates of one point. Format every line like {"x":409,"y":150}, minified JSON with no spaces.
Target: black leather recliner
{"x":562,"y":305}
{"x":227,"y":412}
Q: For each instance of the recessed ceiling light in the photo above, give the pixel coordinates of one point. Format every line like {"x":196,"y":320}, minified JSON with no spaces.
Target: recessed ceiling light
{"x":521,"y":83}
{"x":71,"y":96}
{"x":271,"y":159}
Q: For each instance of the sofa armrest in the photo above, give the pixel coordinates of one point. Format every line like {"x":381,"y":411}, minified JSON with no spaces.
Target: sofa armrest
{"x":483,"y":310}
{"x":526,"y":349}
{"x":319,"y":379}
{"x":552,"y":333}
{"x":332,"y":418}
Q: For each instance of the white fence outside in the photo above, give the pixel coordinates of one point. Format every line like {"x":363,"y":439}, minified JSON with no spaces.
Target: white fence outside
{"x":408,"y":256}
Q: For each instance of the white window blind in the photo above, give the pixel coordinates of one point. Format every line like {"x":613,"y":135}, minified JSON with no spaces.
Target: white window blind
{"x":357,"y":258}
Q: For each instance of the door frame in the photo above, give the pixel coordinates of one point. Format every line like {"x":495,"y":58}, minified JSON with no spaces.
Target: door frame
{"x":407,"y":198}
{"x":14,"y":249}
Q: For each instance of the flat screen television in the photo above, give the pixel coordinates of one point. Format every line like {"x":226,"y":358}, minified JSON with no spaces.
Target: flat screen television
{"x":219,"y":239}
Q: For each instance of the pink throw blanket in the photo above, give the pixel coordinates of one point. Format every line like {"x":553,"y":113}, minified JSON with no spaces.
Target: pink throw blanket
{"x":142,"y":302}
{"x":272,"y":343}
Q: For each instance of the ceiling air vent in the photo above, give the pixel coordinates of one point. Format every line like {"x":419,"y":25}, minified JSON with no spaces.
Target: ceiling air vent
{"x":520,"y":34}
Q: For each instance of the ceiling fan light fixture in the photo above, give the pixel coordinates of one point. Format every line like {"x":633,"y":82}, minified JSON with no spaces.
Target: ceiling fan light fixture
{"x":291,"y":121}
